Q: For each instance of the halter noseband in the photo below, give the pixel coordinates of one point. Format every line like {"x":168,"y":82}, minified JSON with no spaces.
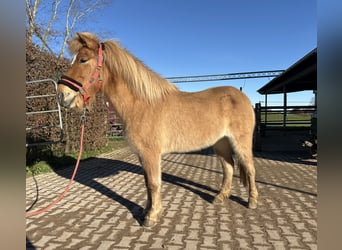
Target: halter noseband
{"x":77,"y":86}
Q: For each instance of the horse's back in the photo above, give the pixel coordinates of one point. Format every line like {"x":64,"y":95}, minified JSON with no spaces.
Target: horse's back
{"x":193,"y":120}
{"x":226,"y":99}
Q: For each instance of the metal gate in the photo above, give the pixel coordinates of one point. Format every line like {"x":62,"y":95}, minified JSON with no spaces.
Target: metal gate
{"x":45,"y":120}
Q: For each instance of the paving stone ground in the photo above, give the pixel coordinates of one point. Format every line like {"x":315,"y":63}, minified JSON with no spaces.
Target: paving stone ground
{"x":103,"y":208}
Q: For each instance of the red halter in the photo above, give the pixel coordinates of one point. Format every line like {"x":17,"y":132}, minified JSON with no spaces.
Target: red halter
{"x":77,"y":86}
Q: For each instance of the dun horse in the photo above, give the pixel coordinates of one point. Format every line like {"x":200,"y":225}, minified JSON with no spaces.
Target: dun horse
{"x":159,"y":118}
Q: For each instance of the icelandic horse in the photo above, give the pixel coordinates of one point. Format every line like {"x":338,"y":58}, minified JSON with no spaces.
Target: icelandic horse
{"x":159,"y":118}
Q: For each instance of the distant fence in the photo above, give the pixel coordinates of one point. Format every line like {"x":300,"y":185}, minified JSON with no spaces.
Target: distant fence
{"x":279,"y":117}
{"x":115,"y":125}
{"x":282,"y":119}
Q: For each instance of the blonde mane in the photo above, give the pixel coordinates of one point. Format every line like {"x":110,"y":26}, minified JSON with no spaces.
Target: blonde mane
{"x":142,"y":81}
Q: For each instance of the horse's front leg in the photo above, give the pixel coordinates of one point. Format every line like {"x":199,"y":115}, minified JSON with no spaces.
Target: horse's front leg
{"x":152,"y":174}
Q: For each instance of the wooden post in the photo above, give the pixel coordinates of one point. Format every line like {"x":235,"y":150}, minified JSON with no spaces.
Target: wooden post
{"x":285,"y":109}
{"x":265,"y":110}
{"x":257,"y":131}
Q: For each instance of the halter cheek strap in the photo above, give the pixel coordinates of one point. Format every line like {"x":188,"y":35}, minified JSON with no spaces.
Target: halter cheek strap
{"x":77,"y":86}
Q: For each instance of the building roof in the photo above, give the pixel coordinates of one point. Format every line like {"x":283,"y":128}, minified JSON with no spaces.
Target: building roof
{"x":302,"y":75}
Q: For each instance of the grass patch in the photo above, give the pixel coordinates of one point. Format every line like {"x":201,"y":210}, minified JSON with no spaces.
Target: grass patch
{"x":292,"y":119}
{"x":52,"y":162}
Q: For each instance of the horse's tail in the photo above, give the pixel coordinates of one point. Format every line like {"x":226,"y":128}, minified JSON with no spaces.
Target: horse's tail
{"x":239,"y":161}
{"x":243,"y":174}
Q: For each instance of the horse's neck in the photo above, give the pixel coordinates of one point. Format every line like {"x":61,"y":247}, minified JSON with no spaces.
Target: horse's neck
{"x":122,"y":99}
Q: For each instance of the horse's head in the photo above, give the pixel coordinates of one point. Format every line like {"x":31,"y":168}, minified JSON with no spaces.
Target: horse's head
{"x":77,"y":89}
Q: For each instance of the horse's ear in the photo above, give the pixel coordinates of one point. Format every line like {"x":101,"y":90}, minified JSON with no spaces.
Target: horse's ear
{"x":88,"y":40}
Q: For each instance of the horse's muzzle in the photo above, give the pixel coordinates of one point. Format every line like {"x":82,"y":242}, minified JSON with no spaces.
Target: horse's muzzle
{"x":65,"y":102}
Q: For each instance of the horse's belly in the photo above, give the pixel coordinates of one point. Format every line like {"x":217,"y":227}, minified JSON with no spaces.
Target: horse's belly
{"x":192,"y":137}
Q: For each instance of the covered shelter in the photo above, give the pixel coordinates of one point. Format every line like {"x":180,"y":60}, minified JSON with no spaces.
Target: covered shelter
{"x":301,"y":76}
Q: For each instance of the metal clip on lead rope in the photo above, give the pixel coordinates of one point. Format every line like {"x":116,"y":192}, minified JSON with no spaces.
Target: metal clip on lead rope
{"x":83,"y":116}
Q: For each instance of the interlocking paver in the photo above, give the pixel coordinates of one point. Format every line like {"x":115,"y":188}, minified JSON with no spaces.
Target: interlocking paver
{"x":104,"y":206}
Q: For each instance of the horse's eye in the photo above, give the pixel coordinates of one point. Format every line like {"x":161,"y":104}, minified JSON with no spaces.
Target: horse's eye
{"x":83,"y":60}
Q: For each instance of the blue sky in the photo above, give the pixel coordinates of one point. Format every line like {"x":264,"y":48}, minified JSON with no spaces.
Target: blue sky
{"x":199,"y":37}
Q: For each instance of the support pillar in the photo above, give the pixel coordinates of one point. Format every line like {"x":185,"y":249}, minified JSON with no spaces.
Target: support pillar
{"x":285,"y":109}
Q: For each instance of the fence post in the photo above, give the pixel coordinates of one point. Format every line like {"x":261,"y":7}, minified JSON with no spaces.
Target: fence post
{"x":257,"y":131}
{"x":285,"y":111}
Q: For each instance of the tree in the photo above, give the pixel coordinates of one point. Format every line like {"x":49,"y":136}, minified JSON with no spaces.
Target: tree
{"x":76,"y":11}
{"x":51,"y":23}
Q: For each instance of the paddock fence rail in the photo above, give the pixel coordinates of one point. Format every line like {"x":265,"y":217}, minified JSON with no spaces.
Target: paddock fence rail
{"x":44,"y":124}
{"x":284,"y":120}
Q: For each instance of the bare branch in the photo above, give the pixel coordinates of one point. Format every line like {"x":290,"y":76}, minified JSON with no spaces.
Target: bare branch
{"x":53,"y":17}
{"x":67,"y":29}
{"x":59,"y":22}
{"x":71,"y":20}
{"x":31,"y":11}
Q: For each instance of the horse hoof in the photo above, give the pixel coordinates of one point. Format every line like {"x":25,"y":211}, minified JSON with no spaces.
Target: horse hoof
{"x":252,"y":204}
{"x":149,"y":223}
{"x":218,"y":199}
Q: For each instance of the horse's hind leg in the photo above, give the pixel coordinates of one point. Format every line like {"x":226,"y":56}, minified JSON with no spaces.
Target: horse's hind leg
{"x":253,"y":192}
{"x":247,"y":173}
{"x":224,"y":153}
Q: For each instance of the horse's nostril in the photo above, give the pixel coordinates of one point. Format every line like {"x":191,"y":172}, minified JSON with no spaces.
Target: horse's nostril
{"x":60,"y":97}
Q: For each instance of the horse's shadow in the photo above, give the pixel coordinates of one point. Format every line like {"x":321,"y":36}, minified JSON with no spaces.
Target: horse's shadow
{"x":88,"y":173}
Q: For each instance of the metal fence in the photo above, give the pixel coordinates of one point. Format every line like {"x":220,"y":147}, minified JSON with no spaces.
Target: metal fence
{"x":281,"y":120}
{"x":50,"y":117}
{"x":289,"y":117}
{"x":115,"y":125}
